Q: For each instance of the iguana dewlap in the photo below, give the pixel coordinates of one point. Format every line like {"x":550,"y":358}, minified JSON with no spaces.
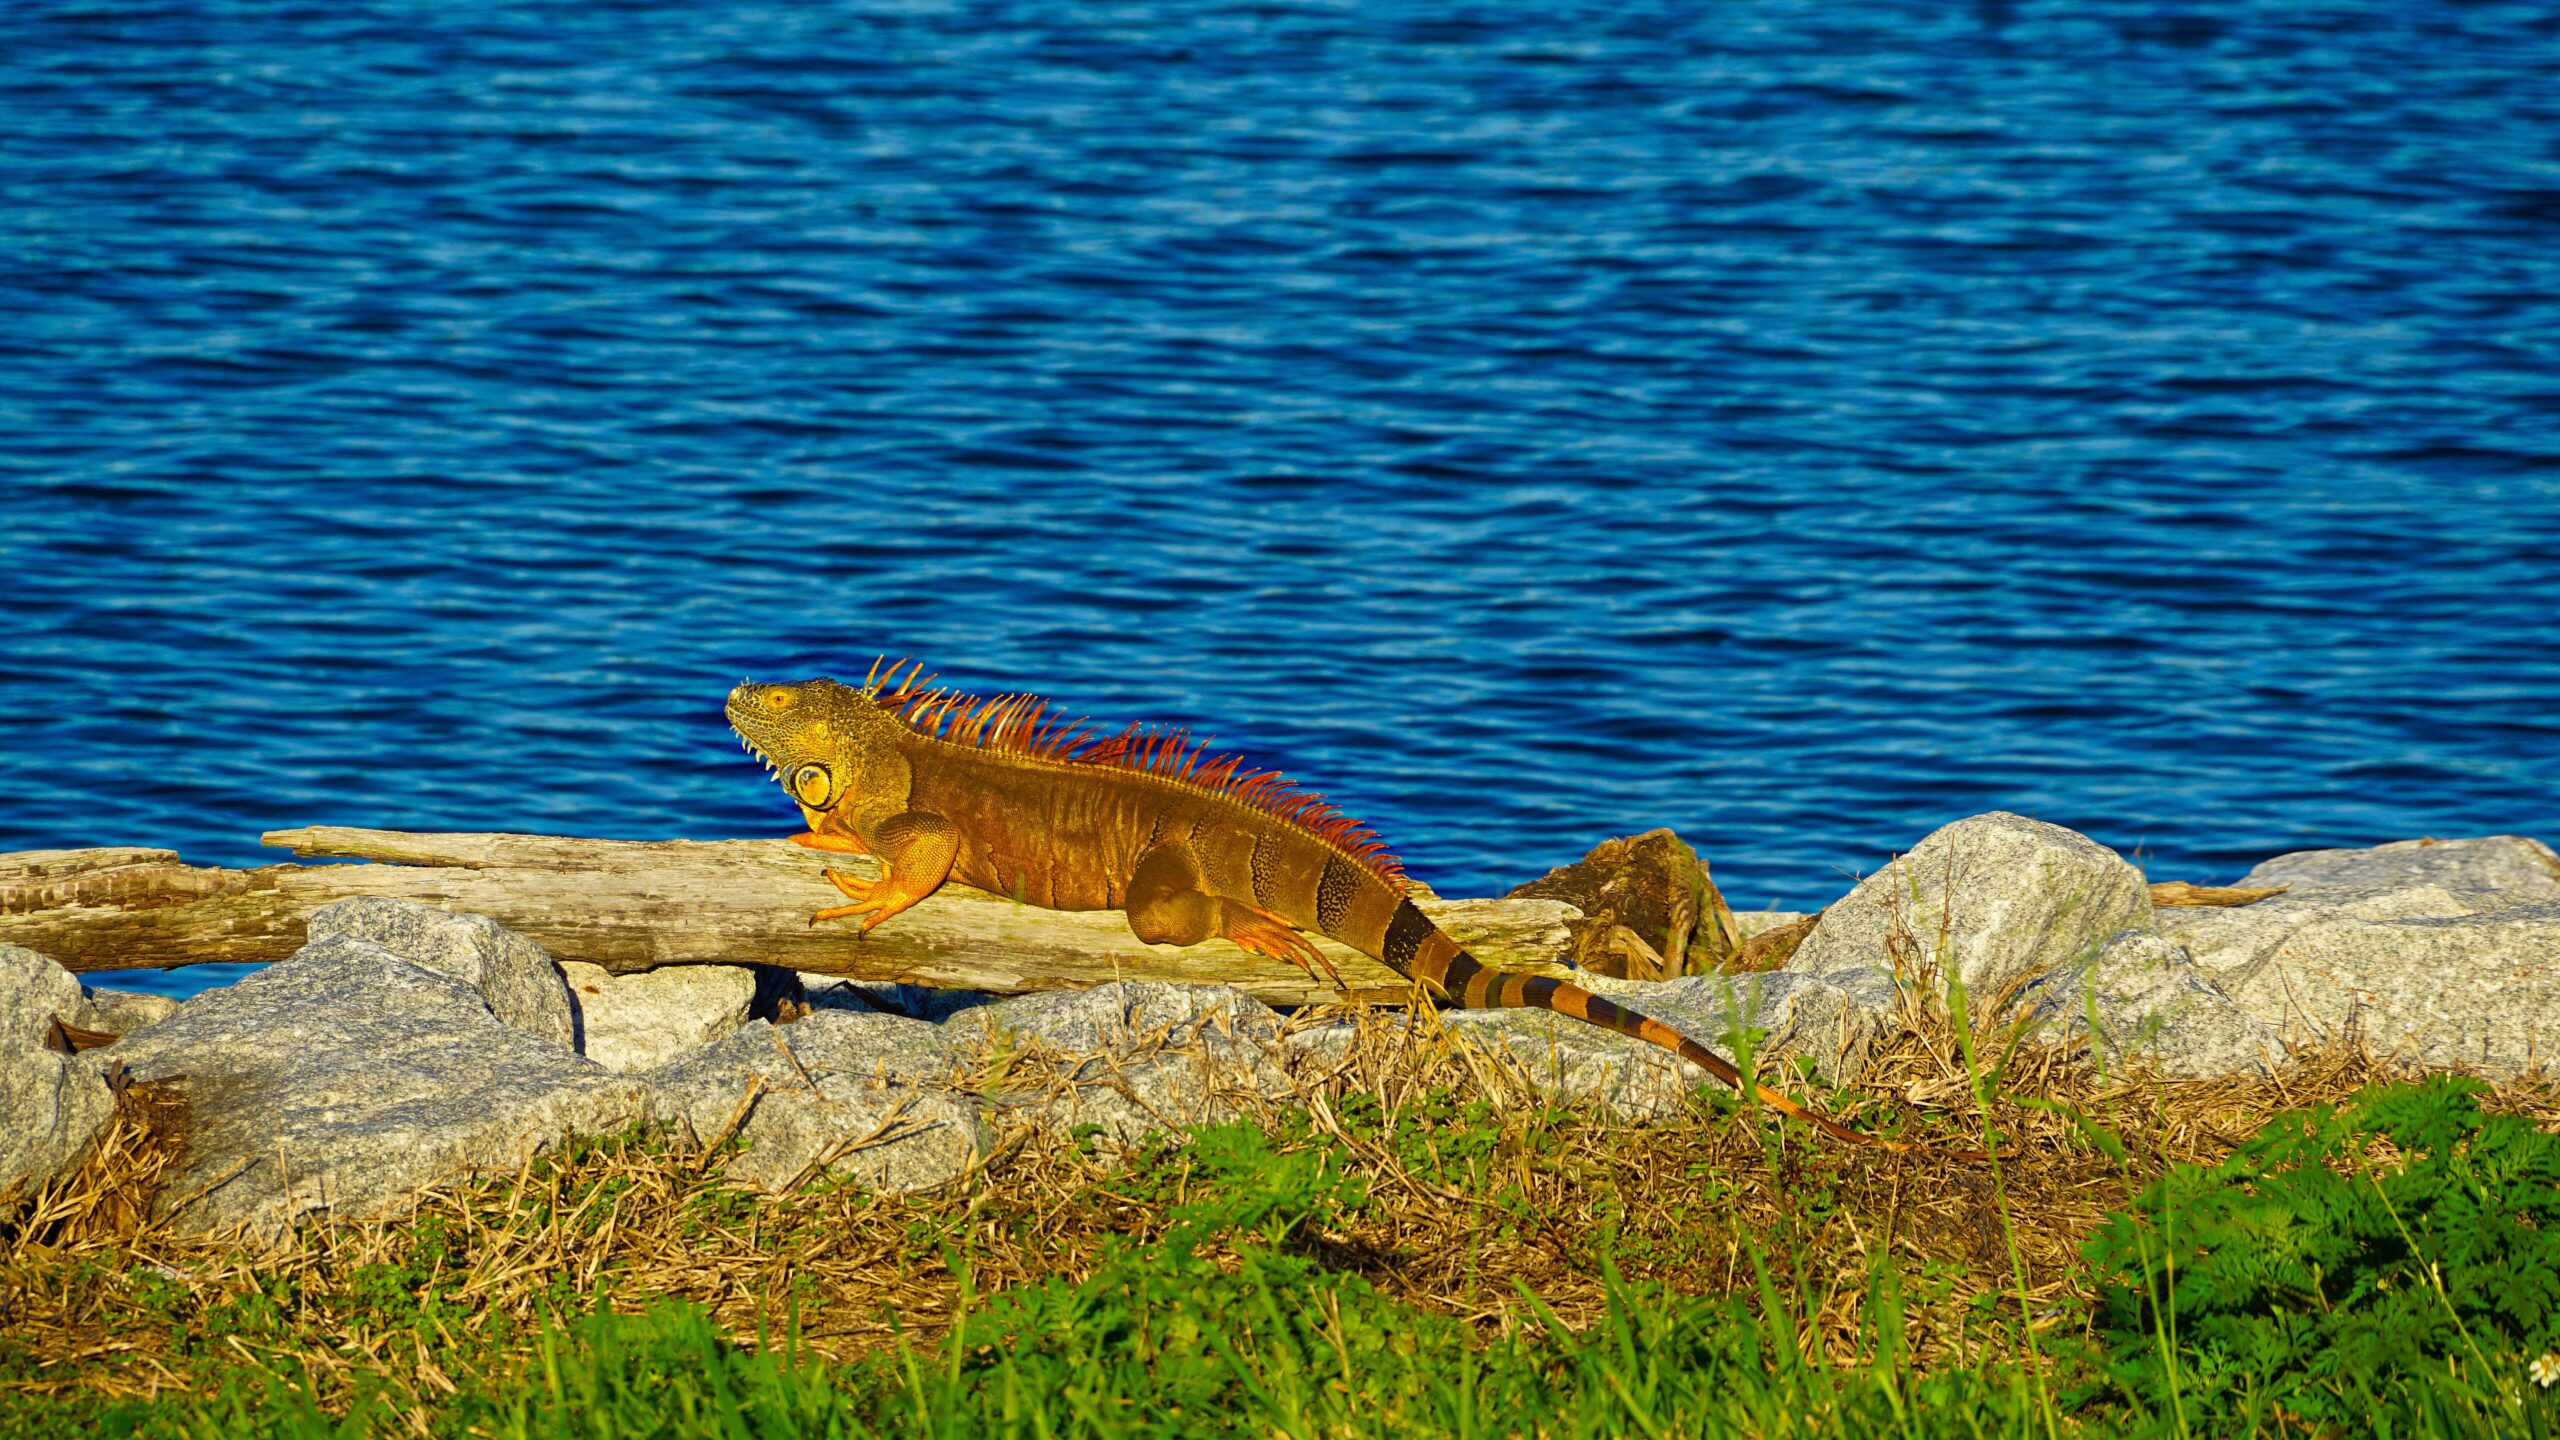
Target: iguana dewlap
{"x":940,"y":785}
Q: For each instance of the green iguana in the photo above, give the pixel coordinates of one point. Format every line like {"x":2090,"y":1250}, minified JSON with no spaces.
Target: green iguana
{"x":939,"y":785}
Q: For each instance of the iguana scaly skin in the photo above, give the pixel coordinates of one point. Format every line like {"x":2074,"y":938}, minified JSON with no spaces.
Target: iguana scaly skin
{"x":940,"y":785}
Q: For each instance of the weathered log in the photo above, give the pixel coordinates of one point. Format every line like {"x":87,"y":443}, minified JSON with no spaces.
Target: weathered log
{"x":636,"y":905}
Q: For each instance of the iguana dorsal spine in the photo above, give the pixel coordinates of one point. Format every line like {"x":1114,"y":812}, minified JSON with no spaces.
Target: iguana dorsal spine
{"x":996,"y":793}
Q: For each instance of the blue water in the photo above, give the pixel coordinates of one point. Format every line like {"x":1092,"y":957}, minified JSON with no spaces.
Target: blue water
{"x":1798,"y":424}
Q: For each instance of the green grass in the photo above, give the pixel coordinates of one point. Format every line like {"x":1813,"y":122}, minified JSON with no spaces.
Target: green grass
{"x":2381,"y":1267}
{"x":1160,"y":1342}
{"x":1277,"y":1347}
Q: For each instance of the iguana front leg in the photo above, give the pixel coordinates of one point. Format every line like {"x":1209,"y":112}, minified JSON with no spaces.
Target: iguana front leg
{"x":915,"y":849}
{"x":828,"y":833}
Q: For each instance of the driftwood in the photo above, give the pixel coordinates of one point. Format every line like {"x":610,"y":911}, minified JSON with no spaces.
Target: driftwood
{"x":636,"y":905}
{"x":2174,"y":894}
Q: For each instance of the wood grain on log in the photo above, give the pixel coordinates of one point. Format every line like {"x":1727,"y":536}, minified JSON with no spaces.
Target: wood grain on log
{"x":636,"y":905}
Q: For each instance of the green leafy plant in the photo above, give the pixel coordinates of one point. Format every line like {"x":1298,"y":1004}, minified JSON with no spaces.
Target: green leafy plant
{"x":2313,"y":1277}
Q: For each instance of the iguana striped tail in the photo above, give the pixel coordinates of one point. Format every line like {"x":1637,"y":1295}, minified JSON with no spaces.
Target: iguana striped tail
{"x":1423,"y":952}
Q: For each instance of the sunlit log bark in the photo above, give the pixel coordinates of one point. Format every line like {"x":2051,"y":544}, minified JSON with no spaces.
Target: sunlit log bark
{"x":635,"y":905}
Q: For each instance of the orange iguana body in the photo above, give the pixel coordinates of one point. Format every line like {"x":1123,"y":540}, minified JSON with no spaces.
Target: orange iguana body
{"x":940,"y":785}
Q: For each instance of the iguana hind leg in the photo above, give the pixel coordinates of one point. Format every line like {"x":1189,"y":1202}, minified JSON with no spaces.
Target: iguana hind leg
{"x":1167,"y":905}
{"x":916,"y":850}
{"x":1165,"y":901}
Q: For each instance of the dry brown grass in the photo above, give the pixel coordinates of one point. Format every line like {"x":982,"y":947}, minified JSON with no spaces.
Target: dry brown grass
{"x":1465,"y":1206}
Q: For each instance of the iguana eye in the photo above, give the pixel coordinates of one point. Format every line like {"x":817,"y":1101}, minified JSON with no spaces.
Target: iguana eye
{"x":812,"y":785}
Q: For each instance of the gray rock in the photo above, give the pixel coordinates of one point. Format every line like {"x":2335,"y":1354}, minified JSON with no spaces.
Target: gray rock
{"x":121,"y":1012}
{"x":1996,"y":899}
{"x":636,"y":1022}
{"x":52,"y":1106}
{"x":1136,"y":1061}
{"x":1761,"y":922}
{"x":2238,"y":945}
{"x":2151,"y":1000}
{"x":510,"y":972}
{"x":346,"y":1077}
{"x":2517,"y":870}
{"x":1830,"y":1021}
{"x":859,"y":1097}
{"x":2480,"y":990}
{"x":1135,"y":1014}
{"x":34,"y":992}
{"x":2445,"y":952}
{"x":2041,"y":922}
{"x":890,"y":1047}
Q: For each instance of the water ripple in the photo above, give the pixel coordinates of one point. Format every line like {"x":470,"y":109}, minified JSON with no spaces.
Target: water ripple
{"x":1792,"y":424}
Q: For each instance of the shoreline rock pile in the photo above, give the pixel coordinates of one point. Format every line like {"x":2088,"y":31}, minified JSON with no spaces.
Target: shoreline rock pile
{"x":403,"y":1044}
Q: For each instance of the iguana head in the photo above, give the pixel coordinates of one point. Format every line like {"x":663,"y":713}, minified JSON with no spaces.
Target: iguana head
{"x":811,"y":735}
